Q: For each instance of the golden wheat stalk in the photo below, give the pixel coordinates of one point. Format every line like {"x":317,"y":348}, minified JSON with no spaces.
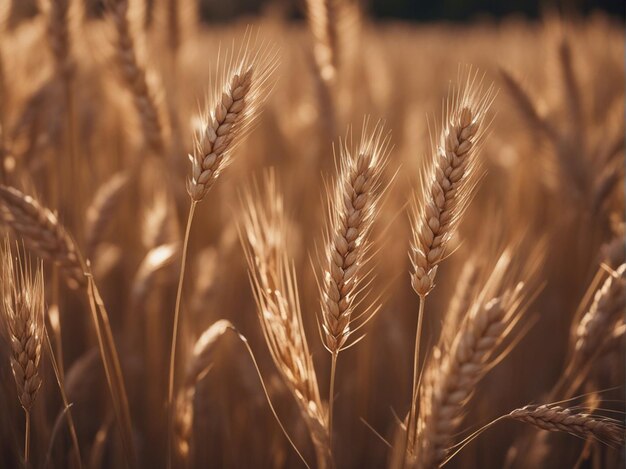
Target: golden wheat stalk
{"x":230,"y":111}
{"x":448,"y":180}
{"x":353,"y":203}
{"x":482,"y":337}
{"x":264,"y":236}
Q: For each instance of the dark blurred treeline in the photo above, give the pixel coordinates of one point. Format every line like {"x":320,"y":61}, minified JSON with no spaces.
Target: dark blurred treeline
{"x":411,"y":10}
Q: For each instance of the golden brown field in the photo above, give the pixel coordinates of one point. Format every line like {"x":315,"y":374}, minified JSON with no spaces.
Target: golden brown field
{"x":402,"y":245}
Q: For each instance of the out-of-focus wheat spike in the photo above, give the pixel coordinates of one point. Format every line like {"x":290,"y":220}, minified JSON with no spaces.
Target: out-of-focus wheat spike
{"x":572,"y":95}
{"x":229,"y":113}
{"x":134,"y":75}
{"x":102,"y":209}
{"x":160,"y":225}
{"x":558,"y":419}
{"x":448,"y":180}
{"x":58,"y":27}
{"x":460,"y":303}
{"x":481,"y":339}
{"x":173,"y":25}
{"x":3,"y":118}
{"x":157,"y":260}
{"x":324,"y":23}
{"x":353,"y":202}
{"x":200,"y":361}
{"x":605,"y":310}
{"x":183,"y":424}
{"x":202,"y":355}
{"x":263,"y":236}
{"x":42,"y":232}
{"x":526,"y":106}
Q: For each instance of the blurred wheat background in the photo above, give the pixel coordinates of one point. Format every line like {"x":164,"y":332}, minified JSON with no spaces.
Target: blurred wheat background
{"x":402,"y":243}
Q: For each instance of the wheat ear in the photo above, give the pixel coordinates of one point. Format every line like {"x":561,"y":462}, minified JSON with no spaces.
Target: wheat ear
{"x":558,"y":419}
{"x":467,"y":287}
{"x":481,"y":339}
{"x":448,"y":179}
{"x":263,"y":234}
{"x":589,"y":337}
{"x":42,"y":232}
{"x":228,"y":115}
{"x":353,"y":202}
{"x":605,"y":310}
{"x":23,"y":311}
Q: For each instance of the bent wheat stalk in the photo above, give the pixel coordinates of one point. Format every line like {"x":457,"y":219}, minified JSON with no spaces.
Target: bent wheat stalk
{"x":228,"y":116}
{"x":448,"y":180}
{"x":558,"y":419}
{"x":42,"y":232}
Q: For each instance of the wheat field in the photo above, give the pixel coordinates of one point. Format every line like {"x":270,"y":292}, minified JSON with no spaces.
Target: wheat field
{"x":329,"y":242}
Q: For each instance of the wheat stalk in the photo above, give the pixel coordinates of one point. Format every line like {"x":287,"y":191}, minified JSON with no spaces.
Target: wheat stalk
{"x":478,"y":344}
{"x":353,"y":202}
{"x":448,"y":179}
{"x":23,"y":314}
{"x":228,"y":115}
{"x":558,"y":419}
{"x":42,"y":232}
{"x":264,"y":235}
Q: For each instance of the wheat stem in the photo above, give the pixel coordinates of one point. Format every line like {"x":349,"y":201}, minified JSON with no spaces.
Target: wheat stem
{"x":26,"y":437}
{"x":416,"y":356}
{"x":331,"y":397}
{"x":66,"y":404}
{"x":181,"y":277}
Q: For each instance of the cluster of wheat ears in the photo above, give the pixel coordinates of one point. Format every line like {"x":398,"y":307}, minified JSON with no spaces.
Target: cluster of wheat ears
{"x":131,"y":307}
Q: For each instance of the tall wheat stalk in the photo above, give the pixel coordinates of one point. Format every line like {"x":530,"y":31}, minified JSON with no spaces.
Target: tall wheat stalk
{"x":264,"y":236}
{"x":353,"y":202}
{"x":229,"y":113}
{"x":448,"y":179}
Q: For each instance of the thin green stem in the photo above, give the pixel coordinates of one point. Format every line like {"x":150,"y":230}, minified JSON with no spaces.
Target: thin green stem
{"x":26,"y":438}
{"x":331,"y":398}
{"x":170,"y":390}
